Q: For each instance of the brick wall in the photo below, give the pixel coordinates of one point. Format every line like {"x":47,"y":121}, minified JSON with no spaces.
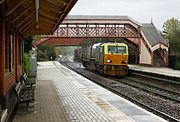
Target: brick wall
{"x":9,"y":72}
{"x":2,"y":56}
{"x":65,"y":41}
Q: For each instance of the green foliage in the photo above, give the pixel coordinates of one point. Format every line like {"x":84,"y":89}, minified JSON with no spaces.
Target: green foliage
{"x":175,"y":41}
{"x":27,"y":63}
{"x":41,"y":56}
{"x":51,"y":53}
{"x":28,"y":44}
{"x":172,"y":33}
{"x":177,"y":66}
{"x":46,"y":52}
{"x":171,"y":25}
{"x":43,"y":47}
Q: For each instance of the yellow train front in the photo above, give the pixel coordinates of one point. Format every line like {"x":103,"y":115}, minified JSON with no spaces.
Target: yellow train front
{"x":107,"y":58}
{"x":112,"y":58}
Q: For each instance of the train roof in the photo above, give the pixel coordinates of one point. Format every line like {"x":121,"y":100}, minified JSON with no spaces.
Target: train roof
{"x":107,"y":43}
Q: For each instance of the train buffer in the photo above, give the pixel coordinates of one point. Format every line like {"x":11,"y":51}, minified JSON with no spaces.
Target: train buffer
{"x":25,"y":93}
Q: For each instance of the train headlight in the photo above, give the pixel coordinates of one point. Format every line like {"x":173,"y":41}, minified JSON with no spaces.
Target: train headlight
{"x":124,"y":62}
{"x":109,"y":61}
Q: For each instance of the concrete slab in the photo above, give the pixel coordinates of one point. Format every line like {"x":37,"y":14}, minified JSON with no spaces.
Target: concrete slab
{"x":64,"y":96}
{"x":157,"y":70}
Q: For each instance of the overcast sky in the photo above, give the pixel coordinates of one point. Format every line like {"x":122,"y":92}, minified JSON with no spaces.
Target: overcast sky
{"x":139,"y":10}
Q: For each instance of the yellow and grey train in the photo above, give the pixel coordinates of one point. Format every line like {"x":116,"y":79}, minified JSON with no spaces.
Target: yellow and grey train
{"x":107,"y":58}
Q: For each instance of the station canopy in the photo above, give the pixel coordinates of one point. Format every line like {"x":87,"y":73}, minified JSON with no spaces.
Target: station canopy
{"x":34,"y":17}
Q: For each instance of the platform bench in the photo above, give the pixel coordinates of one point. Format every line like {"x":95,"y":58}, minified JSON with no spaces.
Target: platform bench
{"x":25,"y":93}
{"x":28,"y":81}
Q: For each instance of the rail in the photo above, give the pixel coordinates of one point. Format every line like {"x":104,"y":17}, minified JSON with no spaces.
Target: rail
{"x":112,"y":86}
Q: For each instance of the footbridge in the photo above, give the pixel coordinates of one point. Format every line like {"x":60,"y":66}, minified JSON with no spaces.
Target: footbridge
{"x":152,"y":48}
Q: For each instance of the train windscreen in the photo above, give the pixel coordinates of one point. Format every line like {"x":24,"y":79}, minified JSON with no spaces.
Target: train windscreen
{"x":117,"y":49}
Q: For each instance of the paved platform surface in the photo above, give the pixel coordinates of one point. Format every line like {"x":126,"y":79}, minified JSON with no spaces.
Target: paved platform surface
{"x":64,"y":96}
{"x":157,"y":70}
{"x":46,"y":107}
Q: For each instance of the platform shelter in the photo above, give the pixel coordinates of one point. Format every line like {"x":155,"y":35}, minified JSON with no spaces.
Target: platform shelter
{"x":18,"y":20}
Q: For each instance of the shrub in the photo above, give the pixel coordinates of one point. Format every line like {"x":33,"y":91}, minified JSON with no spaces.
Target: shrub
{"x":27,"y":63}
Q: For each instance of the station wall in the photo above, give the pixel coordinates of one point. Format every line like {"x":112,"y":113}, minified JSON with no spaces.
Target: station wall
{"x":11,"y":64}
{"x":145,"y":57}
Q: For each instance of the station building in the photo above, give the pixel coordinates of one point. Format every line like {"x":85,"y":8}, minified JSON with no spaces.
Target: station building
{"x":18,"y":20}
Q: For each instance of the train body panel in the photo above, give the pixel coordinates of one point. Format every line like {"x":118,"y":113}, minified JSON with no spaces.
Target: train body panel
{"x":115,"y":59}
{"x":107,"y":58}
{"x":115,"y":70}
{"x":86,"y":53}
{"x":78,"y":55}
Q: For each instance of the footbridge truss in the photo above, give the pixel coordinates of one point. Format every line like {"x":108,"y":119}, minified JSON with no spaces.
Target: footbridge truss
{"x":75,"y":27}
{"x":96,"y":27}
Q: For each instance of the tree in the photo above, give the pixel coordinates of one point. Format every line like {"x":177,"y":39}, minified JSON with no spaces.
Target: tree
{"x":171,"y":25}
{"x":46,"y":52}
{"x":172,"y":33}
{"x":51,"y":53}
{"x":28,"y":44}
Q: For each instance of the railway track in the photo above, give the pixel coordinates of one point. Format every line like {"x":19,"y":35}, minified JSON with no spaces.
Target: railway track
{"x":154,"y":90}
{"x":173,"y":80}
{"x":162,"y":92}
{"x":115,"y":86}
{"x":151,"y":109}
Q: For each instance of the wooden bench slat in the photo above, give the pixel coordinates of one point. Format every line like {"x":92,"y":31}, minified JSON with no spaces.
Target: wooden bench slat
{"x":25,"y":93}
{"x":27,"y":81}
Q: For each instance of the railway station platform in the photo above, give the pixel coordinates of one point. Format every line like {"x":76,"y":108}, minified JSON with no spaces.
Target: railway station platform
{"x":65,"y":96}
{"x":164,"y":71}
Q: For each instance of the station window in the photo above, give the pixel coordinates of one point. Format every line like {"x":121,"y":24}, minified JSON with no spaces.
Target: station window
{"x":6,"y":53}
{"x":11,"y":60}
{"x":20,"y":53}
{"x":9,"y":51}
